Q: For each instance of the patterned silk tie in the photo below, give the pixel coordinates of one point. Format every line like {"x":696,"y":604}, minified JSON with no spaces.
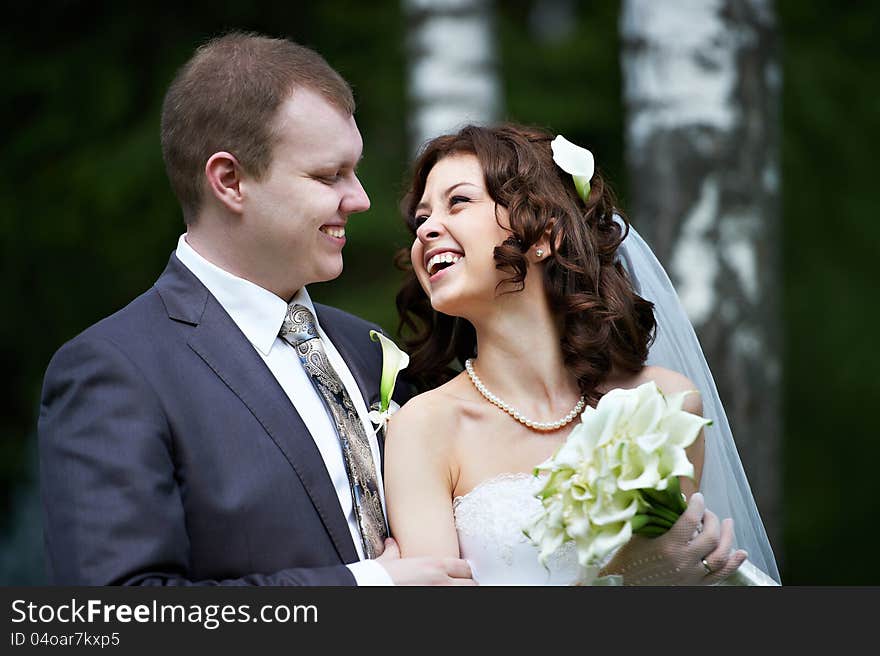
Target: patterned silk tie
{"x":299,"y":331}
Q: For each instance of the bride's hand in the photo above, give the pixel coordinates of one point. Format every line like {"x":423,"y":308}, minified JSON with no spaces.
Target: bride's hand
{"x":713,"y":547}
{"x":425,"y":570}
{"x":696,"y":550}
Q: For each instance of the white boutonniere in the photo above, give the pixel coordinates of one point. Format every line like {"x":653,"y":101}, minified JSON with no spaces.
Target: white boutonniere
{"x":393,"y":362}
{"x":574,"y":160}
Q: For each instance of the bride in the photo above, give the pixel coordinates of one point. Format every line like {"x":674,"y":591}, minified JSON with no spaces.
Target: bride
{"x":519,"y":273}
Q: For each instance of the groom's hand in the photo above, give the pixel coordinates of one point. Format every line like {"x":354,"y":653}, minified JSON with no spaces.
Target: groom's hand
{"x":697,"y":550}
{"x":425,"y":570}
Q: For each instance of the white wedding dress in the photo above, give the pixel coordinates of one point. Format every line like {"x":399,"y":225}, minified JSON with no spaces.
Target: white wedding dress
{"x":490,"y":520}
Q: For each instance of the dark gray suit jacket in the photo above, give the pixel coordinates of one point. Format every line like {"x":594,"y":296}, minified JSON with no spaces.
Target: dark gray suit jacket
{"x":170,"y":455}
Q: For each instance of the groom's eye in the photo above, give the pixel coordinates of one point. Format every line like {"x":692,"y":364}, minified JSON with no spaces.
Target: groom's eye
{"x":330,"y":178}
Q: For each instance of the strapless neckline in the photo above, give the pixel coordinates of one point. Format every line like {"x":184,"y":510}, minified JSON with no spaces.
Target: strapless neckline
{"x":503,"y":476}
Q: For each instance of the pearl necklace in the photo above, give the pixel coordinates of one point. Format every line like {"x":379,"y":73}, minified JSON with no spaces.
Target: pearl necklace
{"x":545,"y":426}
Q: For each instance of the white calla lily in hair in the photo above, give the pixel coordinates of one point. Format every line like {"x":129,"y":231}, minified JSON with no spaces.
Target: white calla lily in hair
{"x":574,"y":160}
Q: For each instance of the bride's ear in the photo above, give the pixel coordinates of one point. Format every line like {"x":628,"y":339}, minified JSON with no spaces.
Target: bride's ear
{"x":541,"y":249}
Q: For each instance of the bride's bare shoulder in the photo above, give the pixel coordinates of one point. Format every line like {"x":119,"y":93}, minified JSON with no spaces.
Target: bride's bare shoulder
{"x":433,"y":415}
{"x":673,"y":382}
{"x":669,"y":382}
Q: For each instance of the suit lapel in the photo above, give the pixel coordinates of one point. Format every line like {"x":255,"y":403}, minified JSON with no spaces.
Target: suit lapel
{"x":223,"y":347}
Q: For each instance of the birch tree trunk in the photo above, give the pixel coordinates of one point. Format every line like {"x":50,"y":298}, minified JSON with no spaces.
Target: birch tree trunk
{"x":452,"y":75}
{"x":701,"y":89}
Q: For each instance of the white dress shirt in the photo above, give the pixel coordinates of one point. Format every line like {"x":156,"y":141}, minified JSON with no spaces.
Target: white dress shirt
{"x":259,"y":314}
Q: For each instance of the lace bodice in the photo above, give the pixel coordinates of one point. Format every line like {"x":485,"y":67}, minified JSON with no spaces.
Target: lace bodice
{"x":490,"y":520}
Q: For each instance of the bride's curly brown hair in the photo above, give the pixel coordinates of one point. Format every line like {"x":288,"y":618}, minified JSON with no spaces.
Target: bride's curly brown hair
{"x":604,"y":324}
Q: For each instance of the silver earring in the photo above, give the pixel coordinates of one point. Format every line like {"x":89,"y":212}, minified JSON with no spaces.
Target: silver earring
{"x":539,"y":253}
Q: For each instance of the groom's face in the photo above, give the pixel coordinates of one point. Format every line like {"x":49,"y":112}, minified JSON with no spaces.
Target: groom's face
{"x":296,"y":214}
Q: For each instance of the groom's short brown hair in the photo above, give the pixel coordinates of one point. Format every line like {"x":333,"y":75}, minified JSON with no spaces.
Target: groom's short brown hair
{"x":226,"y":97}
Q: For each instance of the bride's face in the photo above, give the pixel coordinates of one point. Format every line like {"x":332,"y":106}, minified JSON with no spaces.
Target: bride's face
{"x":458,"y":228}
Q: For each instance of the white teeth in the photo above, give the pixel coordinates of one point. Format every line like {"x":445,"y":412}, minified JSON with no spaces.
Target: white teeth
{"x":334,"y":231}
{"x":451,"y":258}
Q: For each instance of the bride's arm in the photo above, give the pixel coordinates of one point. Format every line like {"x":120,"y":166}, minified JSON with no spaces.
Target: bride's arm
{"x":418,"y":479}
{"x":696,"y":451}
{"x":671,"y":382}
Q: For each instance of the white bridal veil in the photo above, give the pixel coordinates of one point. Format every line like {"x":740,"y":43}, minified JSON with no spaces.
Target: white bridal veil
{"x":723,"y":483}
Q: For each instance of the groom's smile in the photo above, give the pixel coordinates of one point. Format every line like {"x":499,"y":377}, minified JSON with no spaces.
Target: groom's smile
{"x":336,"y":232}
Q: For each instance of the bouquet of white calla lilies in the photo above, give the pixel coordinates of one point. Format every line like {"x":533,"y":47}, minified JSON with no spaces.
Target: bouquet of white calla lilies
{"x":616,"y":474}
{"x":576,"y":161}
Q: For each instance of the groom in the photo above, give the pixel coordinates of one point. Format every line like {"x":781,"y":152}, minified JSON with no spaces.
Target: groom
{"x":215,"y":430}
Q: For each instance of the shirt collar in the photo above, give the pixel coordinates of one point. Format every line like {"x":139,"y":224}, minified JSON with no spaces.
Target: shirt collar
{"x":256,"y":311}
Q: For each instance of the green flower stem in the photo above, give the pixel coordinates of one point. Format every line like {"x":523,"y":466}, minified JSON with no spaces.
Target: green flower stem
{"x":639,"y":521}
{"x":582,"y":184}
{"x":653,"y":520}
{"x":647,"y":519}
{"x":664,"y":513}
{"x":678,"y":498}
{"x":669,"y":499}
{"x":651,"y":531}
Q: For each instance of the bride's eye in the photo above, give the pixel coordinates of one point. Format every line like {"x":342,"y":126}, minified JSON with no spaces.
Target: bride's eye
{"x":419,"y":220}
{"x":455,"y":200}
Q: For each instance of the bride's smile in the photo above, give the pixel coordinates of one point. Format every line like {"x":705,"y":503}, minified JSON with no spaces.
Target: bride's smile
{"x":440,"y":260}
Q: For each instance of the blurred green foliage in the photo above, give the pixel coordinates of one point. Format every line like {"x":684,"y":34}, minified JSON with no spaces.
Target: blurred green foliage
{"x":831,"y":245}
{"x":87,"y":220}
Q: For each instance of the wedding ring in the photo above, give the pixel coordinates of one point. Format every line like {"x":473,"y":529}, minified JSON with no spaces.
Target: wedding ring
{"x":706,"y":566}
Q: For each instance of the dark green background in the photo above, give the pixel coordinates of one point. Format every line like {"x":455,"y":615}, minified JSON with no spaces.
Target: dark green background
{"x":87,"y":220}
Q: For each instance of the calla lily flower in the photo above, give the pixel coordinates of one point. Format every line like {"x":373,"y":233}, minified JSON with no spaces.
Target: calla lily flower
{"x":576,"y":161}
{"x":393,"y":362}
